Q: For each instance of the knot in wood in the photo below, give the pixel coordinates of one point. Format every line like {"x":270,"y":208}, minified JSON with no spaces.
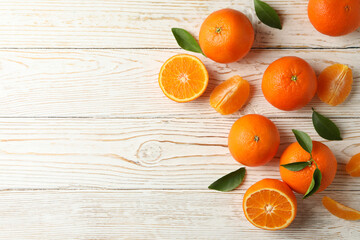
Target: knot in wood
{"x":149,"y":153}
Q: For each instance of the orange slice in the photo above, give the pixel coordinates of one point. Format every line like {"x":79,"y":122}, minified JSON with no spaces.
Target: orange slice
{"x":340,"y":210}
{"x":270,"y":204}
{"x":334,"y":84}
{"x":230,"y":95}
{"x":353,"y":166}
{"x":183,"y":78}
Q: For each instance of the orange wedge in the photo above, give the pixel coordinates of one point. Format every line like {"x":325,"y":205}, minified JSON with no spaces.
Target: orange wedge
{"x":353,"y":166}
{"x":270,"y":204}
{"x":230,"y":95}
{"x":334,"y":84}
{"x":340,"y":210}
{"x":183,"y":78}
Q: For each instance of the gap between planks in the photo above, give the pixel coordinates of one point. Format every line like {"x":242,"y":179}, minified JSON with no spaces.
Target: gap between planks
{"x":141,"y":154}
{"x":169,"y":48}
{"x":158,"y":117}
{"x":45,"y":23}
{"x":103,"y":83}
{"x":94,"y":189}
{"x":157,"y":215}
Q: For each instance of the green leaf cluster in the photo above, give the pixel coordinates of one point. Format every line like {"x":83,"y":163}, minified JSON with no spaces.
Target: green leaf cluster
{"x":326,"y":129}
{"x":305,"y":142}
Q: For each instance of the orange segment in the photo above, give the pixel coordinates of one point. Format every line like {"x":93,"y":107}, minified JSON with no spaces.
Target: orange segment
{"x":340,"y":210}
{"x":334,"y":84}
{"x":353,"y":166}
{"x":230,"y":95}
{"x":183,"y":78}
{"x":270,"y":204}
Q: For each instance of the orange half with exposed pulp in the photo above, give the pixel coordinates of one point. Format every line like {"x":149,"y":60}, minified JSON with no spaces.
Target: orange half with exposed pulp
{"x":270,"y":204}
{"x":183,"y":78}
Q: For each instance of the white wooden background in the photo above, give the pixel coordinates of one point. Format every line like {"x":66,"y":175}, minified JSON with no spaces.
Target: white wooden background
{"x":90,"y":148}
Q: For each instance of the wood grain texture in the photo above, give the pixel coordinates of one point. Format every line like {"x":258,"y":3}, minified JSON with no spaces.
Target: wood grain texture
{"x":139,"y":24}
{"x":123,"y":83}
{"x":143,"y":153}
{"x":157,"y":215}
{"x":90,"y":148}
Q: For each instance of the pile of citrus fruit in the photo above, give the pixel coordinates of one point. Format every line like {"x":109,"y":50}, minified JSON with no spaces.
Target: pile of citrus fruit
{"x":289,"y":83}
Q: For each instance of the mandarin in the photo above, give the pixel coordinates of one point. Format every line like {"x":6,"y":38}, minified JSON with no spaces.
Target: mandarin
{"x":183,"y":78}
{"x":270,"y":204}
{"x":253,"y":140}
{"x":289,"y":83}
{"x":334,"y":17}
{"x":226,"y":36}
{"x":300,"y":181}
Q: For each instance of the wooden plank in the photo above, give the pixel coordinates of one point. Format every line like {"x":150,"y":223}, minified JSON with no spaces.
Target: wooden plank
{"x":139,"y":24}
{"x":158,"y":215}
{"x":142,"y":153}
{"x":123,"y":83}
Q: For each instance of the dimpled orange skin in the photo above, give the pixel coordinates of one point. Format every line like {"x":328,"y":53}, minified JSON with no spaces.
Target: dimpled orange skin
{"x":300,"y":181}
{"x":226,"y":36}
{"x":289,"y":83}
{"x":253,"y":140}
{"x":334,"y":17}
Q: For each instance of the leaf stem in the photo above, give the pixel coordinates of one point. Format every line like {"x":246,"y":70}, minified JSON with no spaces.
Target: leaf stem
{"x":314,"y":162}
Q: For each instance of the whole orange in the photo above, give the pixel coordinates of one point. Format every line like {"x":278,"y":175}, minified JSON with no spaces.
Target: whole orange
{"x":334,"y":17}
{"x":289,"y":83}
{"x":253,"y":140}
{"x":300,"y":181}
{"x":226,"y":36}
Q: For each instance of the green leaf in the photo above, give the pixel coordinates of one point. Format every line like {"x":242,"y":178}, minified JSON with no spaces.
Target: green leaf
{"x":267,"y":14}
{"x":304,"y":140}
{"x":296,"y":166}
{"x":325,"y":127}
{"x":186,"y":40}
{"x":315,"y":183}
{"x":229,"y":181}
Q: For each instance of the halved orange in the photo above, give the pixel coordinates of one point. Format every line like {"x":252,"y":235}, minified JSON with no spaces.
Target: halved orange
{"x":270,"y":204}
{"x":353,"y":166}
{"x":334,"y":84}
{"x":230,"y":95}
{"x":340,"y":210}
{"x":183,"y":78}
